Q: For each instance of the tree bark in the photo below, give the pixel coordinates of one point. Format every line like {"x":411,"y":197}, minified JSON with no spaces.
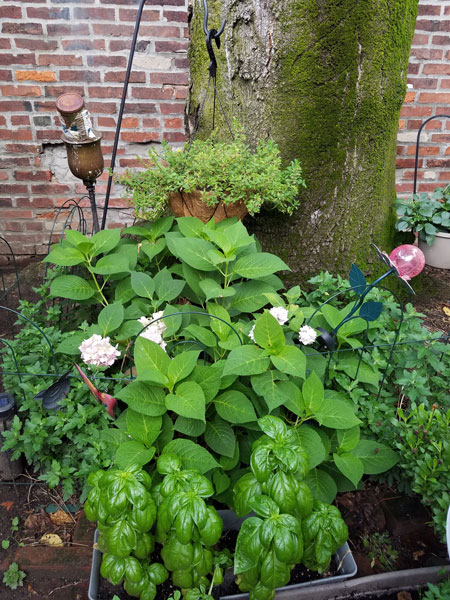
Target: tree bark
{"x":326,"y":79}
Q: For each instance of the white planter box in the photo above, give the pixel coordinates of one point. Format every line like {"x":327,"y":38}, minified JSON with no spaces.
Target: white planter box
{"x":437,"y":255}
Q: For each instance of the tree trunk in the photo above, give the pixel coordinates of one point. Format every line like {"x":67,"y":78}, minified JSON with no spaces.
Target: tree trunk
{"x":326,"y":79}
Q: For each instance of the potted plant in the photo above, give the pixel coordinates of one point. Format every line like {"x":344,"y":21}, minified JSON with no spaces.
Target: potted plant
{"x":214,"y":179}
{"x":429,"y":216}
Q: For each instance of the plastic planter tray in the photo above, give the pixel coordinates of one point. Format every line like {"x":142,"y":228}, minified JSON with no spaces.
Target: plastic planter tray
{"x":343,"y":555}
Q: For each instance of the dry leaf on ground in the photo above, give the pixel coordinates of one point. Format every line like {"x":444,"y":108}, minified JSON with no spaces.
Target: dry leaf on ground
{"x":60,"y":517}
{"x":51,"y":539}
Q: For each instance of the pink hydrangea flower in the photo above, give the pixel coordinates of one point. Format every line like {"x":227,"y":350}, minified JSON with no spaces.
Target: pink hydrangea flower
{"x":98,"y":351}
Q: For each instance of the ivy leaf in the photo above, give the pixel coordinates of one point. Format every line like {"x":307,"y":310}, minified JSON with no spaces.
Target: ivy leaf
{"x":357,"y":279}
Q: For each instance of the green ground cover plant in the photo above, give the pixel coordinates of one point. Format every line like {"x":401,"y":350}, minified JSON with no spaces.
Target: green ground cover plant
{"x":214,"y":377}
{"x":426,"y":214}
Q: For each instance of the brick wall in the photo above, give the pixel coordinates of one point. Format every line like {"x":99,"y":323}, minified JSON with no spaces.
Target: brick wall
{"x":48,"y":47}
{"x":428,"y":95}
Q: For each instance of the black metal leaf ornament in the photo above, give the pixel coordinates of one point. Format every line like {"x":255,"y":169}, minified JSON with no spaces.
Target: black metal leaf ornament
{"x":56,"y":392}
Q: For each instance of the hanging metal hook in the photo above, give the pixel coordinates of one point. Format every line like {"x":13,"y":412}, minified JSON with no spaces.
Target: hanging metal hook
{"x":211,"y":34}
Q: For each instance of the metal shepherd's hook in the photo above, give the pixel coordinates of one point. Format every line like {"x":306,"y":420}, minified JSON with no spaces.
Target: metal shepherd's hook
{"x":211,"y":34}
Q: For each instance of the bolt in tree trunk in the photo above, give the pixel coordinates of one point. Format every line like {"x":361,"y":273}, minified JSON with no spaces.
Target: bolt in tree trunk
{"x":326,"y":79}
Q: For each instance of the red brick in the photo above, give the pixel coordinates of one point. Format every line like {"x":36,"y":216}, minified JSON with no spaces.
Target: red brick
{"x":13,"y":226}
{"x":177,"y":109}
{"x":139,"y":108}
{"x":107,"y":122}
{"x":16,"y":214}
{"x":74,"y":45}
{"x":436,"y":68}
{"x":174,"y":136}
{"x":160,"y":31}
{"x":445,"y":84}
{"x":129,"y":123}
{"x":435,"y":124}
{"x":5,"y":202}
{"x":139,"y":136}
{"x":35,"y":202}
{"x":23,"y":135}
{"x":413,"y":69}
{"x":169,"y":78}
{"x":5,"y":75}
{"x":2,"y":121}
{"x":17,"y":59}
{"x":441,"y":138}
{"x":86,"y":76}
{"x":119,"y":76}
{"x":432,"y":9}
{"x":165,"y":46}
{"x":151,"y":123}
{"x":48,"y":13}
{"x":23,"y":28}
{"x":86,"y":13}
{"x":48,"y":134}
{"x":61,"y":60}
{"x":178,"y":16}
{"x":103,"y":108}
{"x":130,"y":162}
{"x":426,"y":53}
{"x":175,"y":123}
{"x":33,"y":226}
{"x":404,"y":188}
{"x":57,"y":90}
{"x":420,"y":39}
{"x":105,"y":92}
{"x":440,"y":40}
{"x":126,"y":14}
{"x":21,"y":90}
{"x":442,"y":110}
{"x":53,"y":188}
{"x":424,"y":150}
{"x":119,"y":45}
{"x":410,"y":96}
{"x":10,"y":12}
{"x":181,"y":93}
{"x":107,"y":61}
{"x":11,"y":163}
{"x":165,"y":93}
{"x":444,"y":175}
{"x":429,"y":25}
{"x":35,"y":76}
{"x":5,"y":44}
{"x":67,"y":29}
{"x":181,"y":63}
{"x":408,"y":163}
{"x":23,"y":148}
{"x":100,"y":45}
{"x":30,"y":176}
{"x":434,"y":98}
{"x":112,"y":30}
{"x":423,"y":83}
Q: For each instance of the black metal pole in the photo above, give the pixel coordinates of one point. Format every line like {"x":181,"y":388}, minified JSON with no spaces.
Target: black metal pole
{"x":121,"y":109}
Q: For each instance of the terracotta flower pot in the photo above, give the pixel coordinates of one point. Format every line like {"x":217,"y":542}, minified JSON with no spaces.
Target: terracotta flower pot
{"x":184,"y":204}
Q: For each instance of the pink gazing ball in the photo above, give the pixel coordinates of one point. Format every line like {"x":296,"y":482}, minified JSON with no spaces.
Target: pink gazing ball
{"x":408,"y":260}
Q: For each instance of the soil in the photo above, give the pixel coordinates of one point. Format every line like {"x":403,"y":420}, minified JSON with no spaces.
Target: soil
{"x":367,"y":512}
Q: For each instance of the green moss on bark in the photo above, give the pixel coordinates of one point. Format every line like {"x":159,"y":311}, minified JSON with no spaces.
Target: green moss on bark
{"x":326,"y":79}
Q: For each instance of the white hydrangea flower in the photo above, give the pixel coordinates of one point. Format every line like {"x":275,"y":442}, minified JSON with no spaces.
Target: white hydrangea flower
{"x":307,"y":335}
{"x":156,"y":330}
{"x":98,"y":351}
{"x":280,"y":314}
{"x":251,"y":333}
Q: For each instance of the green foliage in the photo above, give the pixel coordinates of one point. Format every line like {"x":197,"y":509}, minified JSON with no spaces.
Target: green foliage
{"x":426,"y":214}
{"x":13,"y":577}
{"x":229,"y":172}
{"x":379,"y":549}
{"x":289,"y":526}
{"x":439,"y":591}
{"x":414,"y":394}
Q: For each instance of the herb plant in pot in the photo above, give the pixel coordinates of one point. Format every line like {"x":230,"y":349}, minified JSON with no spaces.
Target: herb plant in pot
{"x":214,"y":179}
{"x":429,"y":216}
